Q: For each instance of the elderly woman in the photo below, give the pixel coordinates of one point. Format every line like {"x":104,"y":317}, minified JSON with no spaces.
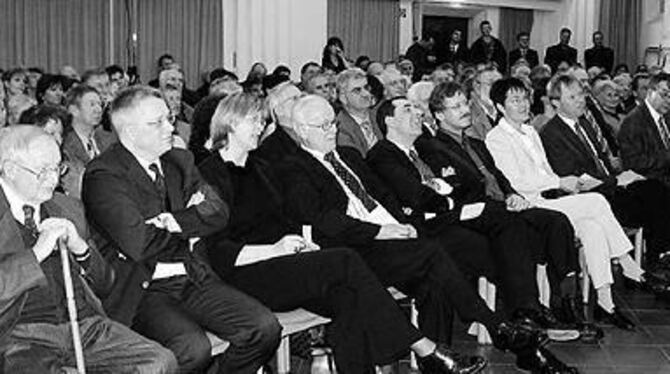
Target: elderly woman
{"x":263,"y":253}
{"x":606,"y":93}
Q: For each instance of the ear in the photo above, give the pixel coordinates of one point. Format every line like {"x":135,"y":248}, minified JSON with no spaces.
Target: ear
{"x":389,"y":122}
{"x":439,"y":116}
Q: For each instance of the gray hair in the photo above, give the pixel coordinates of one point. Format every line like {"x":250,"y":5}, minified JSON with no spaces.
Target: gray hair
{"x":15,"y":142}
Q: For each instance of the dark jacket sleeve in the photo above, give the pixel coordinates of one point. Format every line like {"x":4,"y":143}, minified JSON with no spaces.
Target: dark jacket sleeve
{"x":504,"y":183}
{"x":306,"y":203}
{"x":638,"y":152}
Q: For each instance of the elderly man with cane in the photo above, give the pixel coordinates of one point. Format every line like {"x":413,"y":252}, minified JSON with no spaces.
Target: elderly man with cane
{"x":36,"y":324}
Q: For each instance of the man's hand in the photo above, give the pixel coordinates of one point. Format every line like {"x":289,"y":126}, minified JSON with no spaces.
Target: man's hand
{"x":569,"y":184}
{"x":165,"y":221}
{"x":628,"y":177}
{"x":293,"y":244}
{"x":396,"y":231}
{"x":516,"y":203}
{"x":53,"y":229}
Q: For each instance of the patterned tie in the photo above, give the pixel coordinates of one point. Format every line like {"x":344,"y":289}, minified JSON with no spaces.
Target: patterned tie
{"x":351,"y":182}
{"x":603,"y":145}
{"x":582,"y":134}
{"x":159,"y":181}
{"x":91,"y":148}
{"x":421,"y":167}
{"x":29,"y":220}
{"x":663,"y":130}
{"x":368,"y":133}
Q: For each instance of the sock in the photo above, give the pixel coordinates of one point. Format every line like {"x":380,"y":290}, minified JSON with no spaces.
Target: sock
{"x":605,"y":298}
{"x":630,"y":268}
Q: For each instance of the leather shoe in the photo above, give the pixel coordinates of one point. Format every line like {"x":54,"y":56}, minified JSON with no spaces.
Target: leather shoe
{"x":518,"y":336}
{"x":616,"y":318}
{"x":546,"y":319}
{"x":445,"y":361}
{"x":542,"y":361}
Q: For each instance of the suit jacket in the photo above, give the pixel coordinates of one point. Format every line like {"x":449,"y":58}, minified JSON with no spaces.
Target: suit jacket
{"x":481,"y":122}
{"x":641,"y":146}
{"x":276,"y":146}
{"x":393,"y":167}
{"x":442,"y":152}
{"x":120,"y":196}
{"x":531,"y":57}
{"x":446,"y":55}
{"x":558,"y":53}
{"x":569,"y":156}
{"x":20,"y":272}
{"x":603,"y":57}
{"x":520,"y":166}
{"x":478,"y":53}
{"x":350,"y":134}
{"x":314,"y":197}
{"x":76,"y":158}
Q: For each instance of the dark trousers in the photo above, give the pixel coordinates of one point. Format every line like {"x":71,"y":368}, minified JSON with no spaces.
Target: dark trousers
{"x":512,"y":247}
{"x":109,"y":347}
{"x":176,"y":312}
{"x":367,"y":326}
{"x":553,"y":239}
{"x":645,"y":204}
{"x":422,"y":269}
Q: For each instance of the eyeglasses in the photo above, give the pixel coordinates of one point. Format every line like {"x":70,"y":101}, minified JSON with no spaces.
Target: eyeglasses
{"x":157,"y":123}
{"x":44,"y":173}
{"x":457,"y":106}
{"x":326,"y":126}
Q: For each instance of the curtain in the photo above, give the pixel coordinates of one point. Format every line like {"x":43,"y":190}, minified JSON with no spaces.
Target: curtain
{"x":366,"y":27}
{"x":189,"y":30}
{"x":513,"y":21}
{"x":620,"y":22}
{"x":50,"y":34}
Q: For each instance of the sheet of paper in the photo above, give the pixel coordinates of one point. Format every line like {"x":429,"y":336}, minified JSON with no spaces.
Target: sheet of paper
{"x":471,"y":211}
{"x":587,"y":182}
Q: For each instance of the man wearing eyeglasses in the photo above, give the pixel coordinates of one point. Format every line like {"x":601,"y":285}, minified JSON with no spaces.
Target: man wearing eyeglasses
{"x":355,"y":127}
{"x":34,"y":323}
{"x":149,"y":203}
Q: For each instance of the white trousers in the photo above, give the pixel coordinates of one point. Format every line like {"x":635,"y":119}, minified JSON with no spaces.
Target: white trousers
{"x":601,"y":235}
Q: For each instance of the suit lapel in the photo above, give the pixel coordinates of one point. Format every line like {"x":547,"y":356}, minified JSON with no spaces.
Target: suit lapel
{"x":400,"y":156}
{"x":573,"y":139}
{"x":75,"y":147}
{"x":356,"y":128}
{"x":458,"y":154}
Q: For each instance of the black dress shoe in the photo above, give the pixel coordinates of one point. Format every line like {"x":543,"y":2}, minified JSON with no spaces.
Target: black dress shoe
{"x":545,"y":319}
{"x":518,"y":336}
{"x":446,"y":361}
{"x":542,"y":361}
{"x":616,"y":318}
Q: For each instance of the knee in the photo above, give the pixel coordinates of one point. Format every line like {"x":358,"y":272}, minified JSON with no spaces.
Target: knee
{"x":160,"y":361}
{"x":266,"y":333}
{"x":192,"y":350}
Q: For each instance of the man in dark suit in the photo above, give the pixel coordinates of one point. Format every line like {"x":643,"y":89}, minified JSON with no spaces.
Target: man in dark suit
{"x":573,"y":148}
{"x":487,"y":49}
{"x":397,"y":162}
{"x":599,"y":55}
{"x":644,"y":139}
{"x":281,"y":142}
{"x":33,"y":306}
{"x":151,"y":206}
{"x":561,"y":52}
{"x":523,"y":51}
{"x":355,"y":125}
{"x":455,"y":51}
{"x":334,"y":191}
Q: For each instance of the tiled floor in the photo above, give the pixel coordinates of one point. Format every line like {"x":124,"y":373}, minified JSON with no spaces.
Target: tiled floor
{"x":644,"y":351}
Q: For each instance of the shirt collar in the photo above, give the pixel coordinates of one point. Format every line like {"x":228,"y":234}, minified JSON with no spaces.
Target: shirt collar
{"x":570,"y":122}
{"x":317,"y":154}
{"x":16,"y":203}
{"x":359,"y":120}
{"x":505,"y":125}
{"x":403,"y":148}
{"x":654,"y":114}
{"x":146,"y":163}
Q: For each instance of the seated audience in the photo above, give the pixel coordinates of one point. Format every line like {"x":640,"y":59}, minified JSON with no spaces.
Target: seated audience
{"x":484,"y":114}
{"x":202,"y":115}
{"x":355,"y":127}
{"x":147,"y":201}
{"x":280,"y":139}
{"x":318,"y":85}
{"x":639,"y":87}
{"x":518,"y":152}
{"x":307,"y":71}
{"x":332,"y":189}
{"x":50,"y":89}
{"x":516,"y":244}
{"x":572,"y":148}
{"x":34,"y":306}
{"x":606,"y":93}
{"x":264,"y":254}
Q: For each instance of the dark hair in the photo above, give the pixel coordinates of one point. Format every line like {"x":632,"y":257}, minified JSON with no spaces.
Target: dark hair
{"x":620,"y":66}
{"x":39,"y":115}
{"x":539,"y":90}
{"x":386,"y":109}
{"x":202,"y":118}
{"x":597,"y":32}
{"x":484,"y":22}
{"x":9,"y":74}
{"x":440,"y":92}
{"x":521,"y":34}
{"x":35,"y":69}
{"x":74,"y":94}
{"x":47,"y":81}
{"x":502,"y":87}
{"x":113,"y":69}
{"x":376,"y":87}
{"x":282,"y":70}
{"x":361,"y":59}
{"x":163,"y":57}
{"x":220,"y":73}
{"x":308,"y":65}
{"x":565,"y":29}
{"x":656,"y":79}
{"x":273,"y":80}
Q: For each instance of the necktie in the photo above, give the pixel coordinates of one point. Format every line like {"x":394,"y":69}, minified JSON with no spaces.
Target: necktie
{"x":602,"y":145}
{"x":421,"y":167}
{"x":351,"y":182}
{"x":663,"y":130}
{"x":159,"y":181}
{"x":29,"y":220}
{"x":368,"y":133}
{"x":91,"y":148}
{"x":491,"y":185}
{"x":593,"y":151}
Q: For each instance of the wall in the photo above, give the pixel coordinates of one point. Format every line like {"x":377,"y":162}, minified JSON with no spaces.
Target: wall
{"x":655,"y":27}
{"x":289,"y":32}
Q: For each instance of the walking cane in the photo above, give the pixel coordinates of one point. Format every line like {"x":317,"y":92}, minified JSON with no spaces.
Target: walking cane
{"x":71,"y":306}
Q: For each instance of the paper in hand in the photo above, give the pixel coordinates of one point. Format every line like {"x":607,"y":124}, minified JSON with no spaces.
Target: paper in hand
{"x":587,"y":182}
{"x":471,"y":211}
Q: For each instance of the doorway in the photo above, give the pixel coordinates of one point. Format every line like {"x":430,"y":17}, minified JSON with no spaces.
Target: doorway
{"x":441,"y":27}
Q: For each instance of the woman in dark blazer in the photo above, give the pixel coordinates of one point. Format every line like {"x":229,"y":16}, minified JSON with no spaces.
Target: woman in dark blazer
{"x":262,"y":253}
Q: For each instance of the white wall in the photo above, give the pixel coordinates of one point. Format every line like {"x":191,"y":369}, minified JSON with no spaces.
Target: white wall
{"x":289,"y":32}
{"x":654,"y":30}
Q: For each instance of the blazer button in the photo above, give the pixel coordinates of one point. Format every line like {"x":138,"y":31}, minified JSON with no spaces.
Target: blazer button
{"x":145,"y":284}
